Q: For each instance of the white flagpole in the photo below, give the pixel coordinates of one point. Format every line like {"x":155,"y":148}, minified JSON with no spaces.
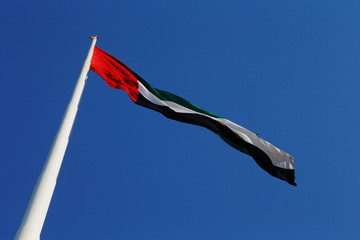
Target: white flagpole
{"x":38,"y":206}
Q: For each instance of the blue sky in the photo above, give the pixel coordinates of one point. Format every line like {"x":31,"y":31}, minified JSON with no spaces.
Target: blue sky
{"x":287,"y":70}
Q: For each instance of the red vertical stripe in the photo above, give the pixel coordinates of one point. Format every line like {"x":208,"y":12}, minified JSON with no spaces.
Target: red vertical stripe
{"x":115,"y":73}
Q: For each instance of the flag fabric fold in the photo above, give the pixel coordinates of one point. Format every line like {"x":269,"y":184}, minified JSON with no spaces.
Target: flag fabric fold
{"x":117,"y":75}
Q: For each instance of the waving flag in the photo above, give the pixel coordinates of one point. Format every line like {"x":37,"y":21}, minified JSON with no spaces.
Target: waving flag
{"x":117,"y":75}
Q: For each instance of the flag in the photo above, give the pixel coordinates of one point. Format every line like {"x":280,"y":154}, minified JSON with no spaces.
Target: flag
{"x":119,"y":76}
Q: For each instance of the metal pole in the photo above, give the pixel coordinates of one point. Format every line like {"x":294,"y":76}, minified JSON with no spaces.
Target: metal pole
{"x":38,"y":206}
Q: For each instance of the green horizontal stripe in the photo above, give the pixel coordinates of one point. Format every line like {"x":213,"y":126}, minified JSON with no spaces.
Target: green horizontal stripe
{"x":234,"y":145}
{"x":167,"y":96}
{"x":172,"y":97}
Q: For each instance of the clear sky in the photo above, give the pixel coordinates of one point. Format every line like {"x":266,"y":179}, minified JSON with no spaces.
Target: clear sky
{"x":287,"y":70}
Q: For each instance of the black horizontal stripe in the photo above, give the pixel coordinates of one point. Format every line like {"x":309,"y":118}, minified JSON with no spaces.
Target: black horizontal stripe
{"x":233,"y":139}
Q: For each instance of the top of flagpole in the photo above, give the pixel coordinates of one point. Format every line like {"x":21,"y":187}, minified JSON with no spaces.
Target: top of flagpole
{"x":94,"y":36}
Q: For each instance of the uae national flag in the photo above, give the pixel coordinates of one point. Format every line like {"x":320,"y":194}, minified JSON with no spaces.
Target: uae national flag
{"x":117,"y":75}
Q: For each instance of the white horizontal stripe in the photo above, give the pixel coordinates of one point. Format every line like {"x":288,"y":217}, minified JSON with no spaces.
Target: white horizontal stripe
{"x":278,"y":157}
{"x":149,"y":96}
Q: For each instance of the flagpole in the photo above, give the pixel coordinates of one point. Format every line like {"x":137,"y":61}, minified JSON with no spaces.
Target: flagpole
{"x":38,"y":206}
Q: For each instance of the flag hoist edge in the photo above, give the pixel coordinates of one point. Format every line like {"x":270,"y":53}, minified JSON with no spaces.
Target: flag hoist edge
{"x":119,"y":76}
